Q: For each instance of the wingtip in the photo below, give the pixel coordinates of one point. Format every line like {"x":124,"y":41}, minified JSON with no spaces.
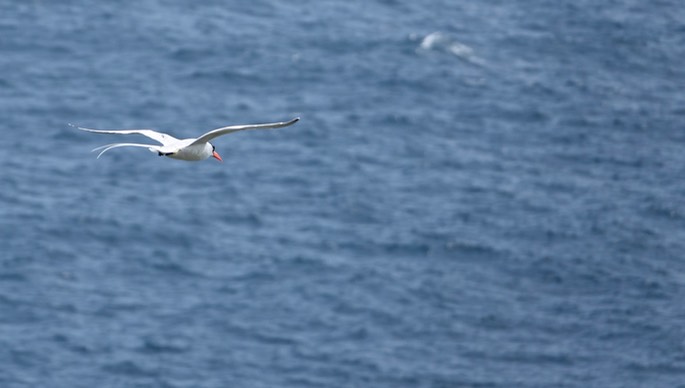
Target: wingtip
{"x":77,"y":127}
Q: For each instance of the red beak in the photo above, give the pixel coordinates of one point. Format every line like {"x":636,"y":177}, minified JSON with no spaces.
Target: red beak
{"x":216,"y":155}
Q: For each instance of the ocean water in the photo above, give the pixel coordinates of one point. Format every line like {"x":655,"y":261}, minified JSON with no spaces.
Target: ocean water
{"x":478,"y":194}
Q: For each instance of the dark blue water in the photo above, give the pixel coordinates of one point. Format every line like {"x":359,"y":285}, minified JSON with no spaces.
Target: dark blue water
{"x":479,"y":194}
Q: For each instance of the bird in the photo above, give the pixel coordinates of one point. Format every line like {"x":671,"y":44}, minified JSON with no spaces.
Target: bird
{"x":183,"y":149}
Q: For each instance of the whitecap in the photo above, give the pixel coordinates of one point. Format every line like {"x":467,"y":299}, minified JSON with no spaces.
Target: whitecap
{"x":432,"y":40}
{"x":440,"y":41}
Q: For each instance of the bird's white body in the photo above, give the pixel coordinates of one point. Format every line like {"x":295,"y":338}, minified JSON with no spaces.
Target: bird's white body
{"x":183,"y":149}
{"x":187,"y":151}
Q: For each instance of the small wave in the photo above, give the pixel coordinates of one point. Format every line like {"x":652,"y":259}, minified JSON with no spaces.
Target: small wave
{"x":129,"y":368}
{"x":162,"y":345}
{"x":442,"y":42}
{"x":187,"y":54}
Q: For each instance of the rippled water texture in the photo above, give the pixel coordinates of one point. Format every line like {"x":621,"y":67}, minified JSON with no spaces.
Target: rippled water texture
{"x":478,"y":194}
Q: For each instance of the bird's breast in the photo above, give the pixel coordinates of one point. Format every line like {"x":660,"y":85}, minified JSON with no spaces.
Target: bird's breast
{"x":193,"y":152}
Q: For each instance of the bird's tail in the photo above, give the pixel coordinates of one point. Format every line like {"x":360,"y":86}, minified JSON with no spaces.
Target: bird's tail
{"x":105,"y":148}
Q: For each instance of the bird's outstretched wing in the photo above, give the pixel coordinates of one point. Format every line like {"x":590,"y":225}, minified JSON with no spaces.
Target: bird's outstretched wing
{"x":235,"y":128}
{"x":163,"y":138}
{"x":151,"y":147}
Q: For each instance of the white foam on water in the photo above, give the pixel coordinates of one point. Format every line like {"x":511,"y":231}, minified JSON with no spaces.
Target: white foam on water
{"x":440,"y":41}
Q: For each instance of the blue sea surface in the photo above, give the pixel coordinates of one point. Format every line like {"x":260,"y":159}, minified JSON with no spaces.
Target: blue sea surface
{"x":478,"y":194}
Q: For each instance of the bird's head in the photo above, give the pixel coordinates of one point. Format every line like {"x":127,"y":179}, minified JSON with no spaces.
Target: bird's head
{"x":215,"y":154}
